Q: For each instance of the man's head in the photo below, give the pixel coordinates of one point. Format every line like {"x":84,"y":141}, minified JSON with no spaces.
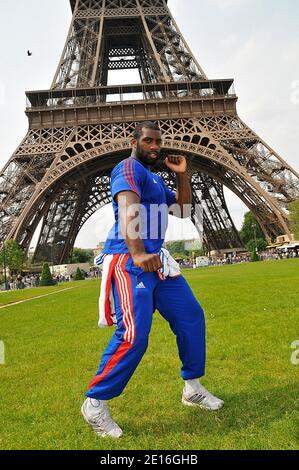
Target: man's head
{"x":147,"y":142}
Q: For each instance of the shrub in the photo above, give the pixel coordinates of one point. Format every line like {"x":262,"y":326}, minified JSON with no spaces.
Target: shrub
{"x":78,"y":275}
{"x":46,"y":278}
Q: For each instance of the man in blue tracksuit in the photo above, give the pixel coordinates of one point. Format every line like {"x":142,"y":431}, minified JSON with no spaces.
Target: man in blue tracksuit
{"x":133,"y":264}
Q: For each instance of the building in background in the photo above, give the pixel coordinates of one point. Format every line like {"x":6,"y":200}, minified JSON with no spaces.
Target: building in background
{"x":69,"y":269}
{"x":98,"y":250}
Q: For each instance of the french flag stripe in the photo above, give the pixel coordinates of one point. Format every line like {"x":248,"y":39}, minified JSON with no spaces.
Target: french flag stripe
{"x":129,"y":175}
{"x":117,"y":356}
{"x":124,"y":288}
{"x":129,"y":302}
{"x":120,"y":284}
{"x":107,"y":306}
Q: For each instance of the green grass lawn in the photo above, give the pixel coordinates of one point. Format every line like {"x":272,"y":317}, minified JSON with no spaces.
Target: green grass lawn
{"x":53,"y":347}
{"x":9,"y":297}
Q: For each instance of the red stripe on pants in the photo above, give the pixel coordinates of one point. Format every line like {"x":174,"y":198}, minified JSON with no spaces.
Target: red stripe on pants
{"x":125,"y":346}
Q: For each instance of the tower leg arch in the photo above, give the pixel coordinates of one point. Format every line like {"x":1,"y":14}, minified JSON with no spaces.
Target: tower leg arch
{"x":87,"y":163}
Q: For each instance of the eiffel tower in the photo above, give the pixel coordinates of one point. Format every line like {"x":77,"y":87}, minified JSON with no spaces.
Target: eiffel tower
{"x":81,"y":127}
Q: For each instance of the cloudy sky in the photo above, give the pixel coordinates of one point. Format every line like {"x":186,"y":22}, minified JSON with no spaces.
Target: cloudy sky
{"x":256,"y":42}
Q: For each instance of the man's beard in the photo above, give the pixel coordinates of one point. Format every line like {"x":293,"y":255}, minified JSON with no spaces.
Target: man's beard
{"x":145,"y":157}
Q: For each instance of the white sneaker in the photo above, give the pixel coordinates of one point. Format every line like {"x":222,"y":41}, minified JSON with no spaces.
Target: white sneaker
{"x":100,"y":420}
{"x":203,"y":399}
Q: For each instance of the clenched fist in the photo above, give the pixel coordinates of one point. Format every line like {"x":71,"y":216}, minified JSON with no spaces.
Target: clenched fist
{"x":149,"y":263}
{"x":176,"y":163}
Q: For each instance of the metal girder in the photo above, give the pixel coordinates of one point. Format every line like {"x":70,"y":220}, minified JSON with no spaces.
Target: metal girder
{"x":77,"y":133}
{"x":154,"y":34}
{"x":74,"y":205}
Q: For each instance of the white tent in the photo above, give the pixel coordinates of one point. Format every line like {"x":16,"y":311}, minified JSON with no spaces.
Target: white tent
{"x":294,"y":245}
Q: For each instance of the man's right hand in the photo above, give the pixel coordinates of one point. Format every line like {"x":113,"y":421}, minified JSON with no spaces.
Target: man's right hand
{"x":149,"y":263}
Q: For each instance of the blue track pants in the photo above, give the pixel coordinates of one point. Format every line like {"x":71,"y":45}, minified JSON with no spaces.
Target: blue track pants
{"x":136,"y":297}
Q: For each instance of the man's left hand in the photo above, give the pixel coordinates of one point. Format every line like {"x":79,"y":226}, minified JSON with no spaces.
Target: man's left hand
{"x":176,"y":163}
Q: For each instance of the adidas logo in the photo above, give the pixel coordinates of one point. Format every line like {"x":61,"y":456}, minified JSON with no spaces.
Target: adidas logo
{"x":140,"y":286}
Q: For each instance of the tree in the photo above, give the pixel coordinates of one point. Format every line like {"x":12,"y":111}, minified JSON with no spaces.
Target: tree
{"x":81,"y":255}
{"x":46,"y":278}
{"x":78,"y":275}
{"x":251,"y":229}
{"x":177,"y":249}
{"x":258,"y":245}
{"x":13,"y":256}
{"x":294,"y":217}
{"x":254,"y":257}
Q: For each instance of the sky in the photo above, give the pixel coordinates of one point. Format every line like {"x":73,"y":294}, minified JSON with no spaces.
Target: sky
{"x":256,"y":42}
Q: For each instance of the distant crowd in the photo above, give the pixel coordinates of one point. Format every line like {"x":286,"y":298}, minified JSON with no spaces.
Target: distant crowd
{"x":229,"y":260}
{"x":263,"y":256}
{"x":33,"y":280}
{"x":277,"y":254}
{"x":21,"y":282}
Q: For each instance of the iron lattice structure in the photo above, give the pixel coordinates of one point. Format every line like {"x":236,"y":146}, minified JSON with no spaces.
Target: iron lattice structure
{"x":81,"y":127}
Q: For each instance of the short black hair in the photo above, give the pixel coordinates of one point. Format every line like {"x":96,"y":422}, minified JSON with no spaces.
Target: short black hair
{"x":145,"y":125}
